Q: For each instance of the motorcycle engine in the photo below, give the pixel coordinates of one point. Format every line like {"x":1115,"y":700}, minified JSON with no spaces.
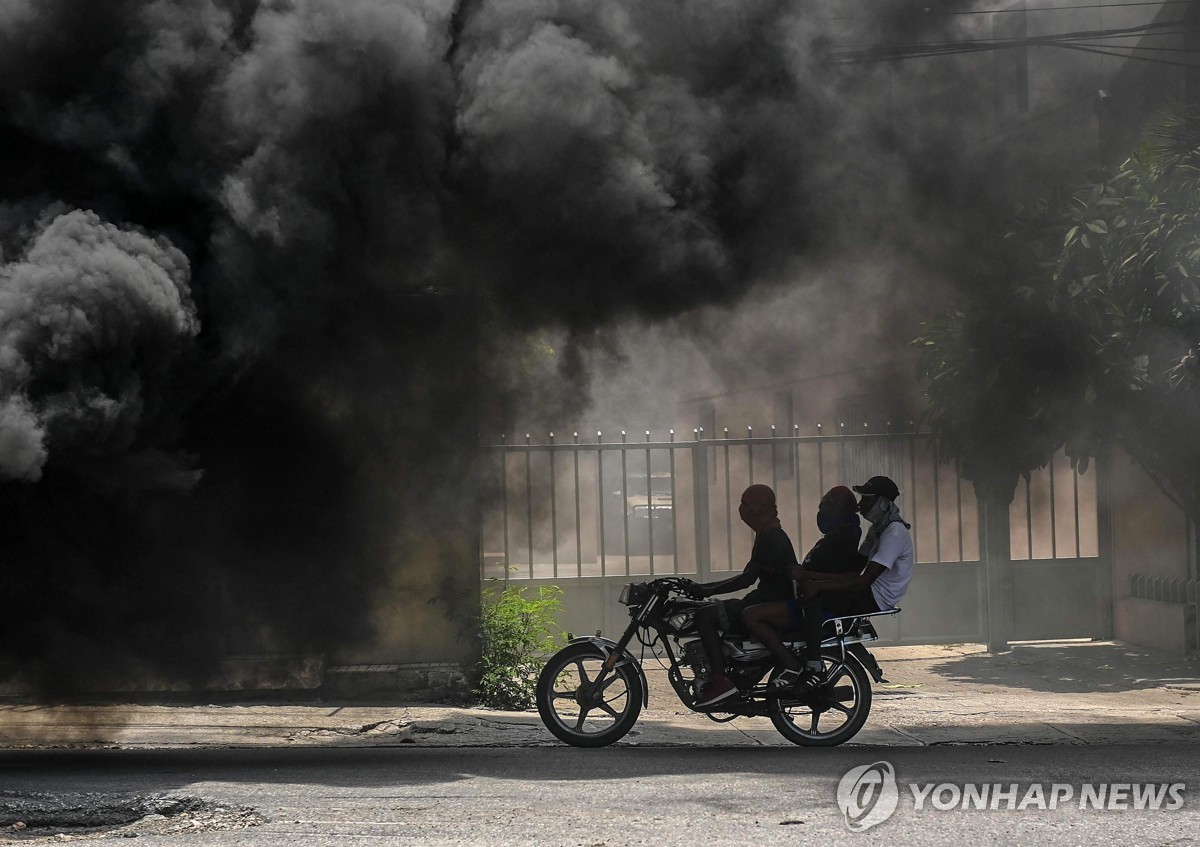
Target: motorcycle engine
{"x":693,"y":655}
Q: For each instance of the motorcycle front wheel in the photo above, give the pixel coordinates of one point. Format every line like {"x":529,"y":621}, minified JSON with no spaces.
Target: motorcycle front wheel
{"x":577,"y":710}
{"x":833,"y":713}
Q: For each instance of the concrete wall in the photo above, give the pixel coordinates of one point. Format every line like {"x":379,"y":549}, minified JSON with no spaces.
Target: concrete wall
{"x":1150,"y":538}
{"x":1146,"y":623}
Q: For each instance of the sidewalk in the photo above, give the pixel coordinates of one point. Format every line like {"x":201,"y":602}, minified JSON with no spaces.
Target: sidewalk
{"x":1046,"y":693}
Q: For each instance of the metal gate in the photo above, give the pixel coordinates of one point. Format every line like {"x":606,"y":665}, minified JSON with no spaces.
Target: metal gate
{"x":590,"y":514}
{"x":1059,"y":556}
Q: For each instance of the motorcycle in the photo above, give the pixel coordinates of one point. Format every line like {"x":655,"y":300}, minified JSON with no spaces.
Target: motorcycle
{"x":590,"y":693}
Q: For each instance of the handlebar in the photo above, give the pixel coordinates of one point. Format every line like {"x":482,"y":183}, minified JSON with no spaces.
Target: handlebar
{"x":679,"y":584}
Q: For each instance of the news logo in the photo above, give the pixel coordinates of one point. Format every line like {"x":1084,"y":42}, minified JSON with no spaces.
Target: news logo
{"x":868,"y":796}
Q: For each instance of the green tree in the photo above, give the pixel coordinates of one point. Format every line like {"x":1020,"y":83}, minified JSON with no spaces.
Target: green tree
{"x":1088,"y":331}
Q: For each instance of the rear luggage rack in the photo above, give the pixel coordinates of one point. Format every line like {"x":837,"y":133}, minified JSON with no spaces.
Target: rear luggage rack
{"x":847,"y":629}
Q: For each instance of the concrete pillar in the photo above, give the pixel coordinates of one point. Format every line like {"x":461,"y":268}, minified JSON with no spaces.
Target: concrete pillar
{"x":700,"y":506}
{"x":995,"y":552}
{"x":1105,"y":546}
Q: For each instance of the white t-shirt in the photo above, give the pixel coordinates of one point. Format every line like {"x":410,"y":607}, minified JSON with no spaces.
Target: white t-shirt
{"x":895,"y":553}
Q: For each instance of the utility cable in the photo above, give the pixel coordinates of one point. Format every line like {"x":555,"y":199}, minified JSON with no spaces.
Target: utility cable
{"x":1103,"y":52}
{"x":896,"y":52}
{"x":929,"y":13}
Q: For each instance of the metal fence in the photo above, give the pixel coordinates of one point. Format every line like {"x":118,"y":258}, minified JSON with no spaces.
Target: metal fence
{"x":1054,"y":514}
{"x":586,"y":514}
{"x":564,"y":508}
{"x":618,"y":507}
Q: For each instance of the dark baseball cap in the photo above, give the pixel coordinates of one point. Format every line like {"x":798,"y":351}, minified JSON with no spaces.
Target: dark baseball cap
{"x":880,"y":485}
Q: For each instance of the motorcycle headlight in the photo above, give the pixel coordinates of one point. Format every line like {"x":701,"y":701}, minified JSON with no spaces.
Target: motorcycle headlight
{"x":634,"y":593}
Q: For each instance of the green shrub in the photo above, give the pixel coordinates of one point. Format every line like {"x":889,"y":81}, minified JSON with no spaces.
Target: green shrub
{"x":516,"y":632}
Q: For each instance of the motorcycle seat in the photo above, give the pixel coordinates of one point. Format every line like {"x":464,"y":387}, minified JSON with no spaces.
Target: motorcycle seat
{"x":857,"y":627}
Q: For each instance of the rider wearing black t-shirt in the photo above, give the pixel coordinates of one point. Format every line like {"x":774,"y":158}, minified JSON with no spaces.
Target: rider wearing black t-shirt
{"x":771,"y":560}
{"x":837,"y":550}
{"x":771,"y":556}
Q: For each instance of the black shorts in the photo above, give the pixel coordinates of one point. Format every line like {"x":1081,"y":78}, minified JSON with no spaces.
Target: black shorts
{"x":729,"y":613}
{"x":729,"y":616}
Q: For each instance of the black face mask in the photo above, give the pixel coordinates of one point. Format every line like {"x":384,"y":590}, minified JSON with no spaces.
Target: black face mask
{"x":827,"y":523}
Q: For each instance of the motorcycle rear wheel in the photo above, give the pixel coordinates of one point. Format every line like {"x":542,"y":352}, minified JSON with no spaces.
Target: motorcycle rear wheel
{"x":583,"y":717}
{"x":843,"y":702}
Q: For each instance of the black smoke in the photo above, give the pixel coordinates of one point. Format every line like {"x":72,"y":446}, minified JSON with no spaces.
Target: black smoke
{"x":265,"y":262}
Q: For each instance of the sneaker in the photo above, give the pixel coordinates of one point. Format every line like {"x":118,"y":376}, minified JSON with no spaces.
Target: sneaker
{"x":794,"y":682}
{"x":719,"y":687}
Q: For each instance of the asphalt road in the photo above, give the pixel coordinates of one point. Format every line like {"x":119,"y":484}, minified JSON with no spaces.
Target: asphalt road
{"x":616,"y":796}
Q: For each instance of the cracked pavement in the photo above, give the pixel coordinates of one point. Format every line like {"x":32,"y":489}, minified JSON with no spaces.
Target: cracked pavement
{"x":1066,"y":693}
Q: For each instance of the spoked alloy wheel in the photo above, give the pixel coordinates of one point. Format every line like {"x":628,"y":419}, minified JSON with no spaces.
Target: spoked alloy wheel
{"x":576,"y":709}
{"x":831,"y":715}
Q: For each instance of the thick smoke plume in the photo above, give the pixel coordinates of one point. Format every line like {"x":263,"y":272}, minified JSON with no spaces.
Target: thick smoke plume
{"x":263,"y":254}
{"x":91,"y":319}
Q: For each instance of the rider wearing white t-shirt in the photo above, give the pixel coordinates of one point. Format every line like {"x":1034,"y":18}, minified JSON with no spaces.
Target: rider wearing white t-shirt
{"x":888,"y":543}
{"x":887,"y":551}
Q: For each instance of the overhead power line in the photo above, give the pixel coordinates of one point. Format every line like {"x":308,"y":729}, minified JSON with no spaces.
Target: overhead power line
{"x":1082,"y":39}
{"x":932,"y":13}
{"x":1110,"y":51}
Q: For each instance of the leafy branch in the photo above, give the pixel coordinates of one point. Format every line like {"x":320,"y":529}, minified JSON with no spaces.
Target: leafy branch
{"x":1087,"y":332}
{"x":517,"y":631}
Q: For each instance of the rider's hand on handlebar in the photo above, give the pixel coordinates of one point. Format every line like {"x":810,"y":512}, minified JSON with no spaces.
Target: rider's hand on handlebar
{"x":694,"y":590}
